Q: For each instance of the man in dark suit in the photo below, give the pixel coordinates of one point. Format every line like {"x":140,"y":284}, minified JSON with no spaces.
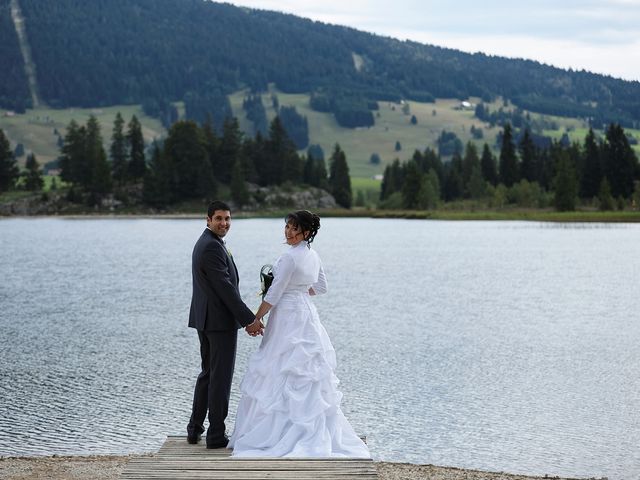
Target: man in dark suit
{"x":217,"y":312}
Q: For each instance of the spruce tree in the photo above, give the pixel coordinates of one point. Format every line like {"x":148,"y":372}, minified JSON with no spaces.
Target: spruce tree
{"x":488,"y":166}
{"x":605,"y":199}
{"x":8,"y":169}
{"x":477,"y":187}
{"x":565,"y":183}
{"x":591,"y":178}
{"x":229,"y":150}
{"x":387,"y":182}
{"x":99,"y":182}
{"x":212,"y":142}
{"x":620,"y":162}
{"x":339,"y":180}
{"x":185,"y":150}
{"x":73,"y":164}
{"x":315,"y":172}
{"x":33,"y":176}
{"x":411,"y":186}
{"x":470,"y":162}
{"x":528,"y":167}
{"x":137,"y":163}
{"x":454,"y":184}
{"x":508,"y":159}
{"x":239,"y":192}
{"x":283,"y":161}
{"x":429,"y":195}
{"x":157,"y":180}
{"x":118,"y":152}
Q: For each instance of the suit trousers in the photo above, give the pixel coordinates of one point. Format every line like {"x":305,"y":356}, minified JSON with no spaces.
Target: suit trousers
{"x":213,"y":386}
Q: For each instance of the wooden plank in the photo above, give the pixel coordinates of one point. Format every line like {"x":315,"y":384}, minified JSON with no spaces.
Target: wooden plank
{"x":180,"y":460}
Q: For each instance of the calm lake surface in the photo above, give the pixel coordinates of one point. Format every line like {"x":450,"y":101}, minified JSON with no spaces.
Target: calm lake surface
{"x":505,"y":346}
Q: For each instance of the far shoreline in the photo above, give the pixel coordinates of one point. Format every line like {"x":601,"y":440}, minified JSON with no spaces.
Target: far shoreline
{"x":110,"y":467}
{"x":530,"y":215}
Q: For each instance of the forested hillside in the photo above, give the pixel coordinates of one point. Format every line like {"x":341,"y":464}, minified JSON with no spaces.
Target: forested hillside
{"x":106,"y":52}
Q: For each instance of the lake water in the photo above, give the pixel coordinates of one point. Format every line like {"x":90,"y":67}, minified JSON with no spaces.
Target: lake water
{"x":506,"y":346}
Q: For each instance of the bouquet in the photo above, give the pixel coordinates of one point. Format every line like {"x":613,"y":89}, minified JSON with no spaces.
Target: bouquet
{"x":266,"y":279}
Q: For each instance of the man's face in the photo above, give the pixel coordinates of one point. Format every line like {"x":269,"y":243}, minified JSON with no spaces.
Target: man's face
{"x":219,"y":222}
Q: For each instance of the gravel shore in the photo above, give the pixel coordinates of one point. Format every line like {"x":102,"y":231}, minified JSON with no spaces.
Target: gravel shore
{"x":110,"y":467}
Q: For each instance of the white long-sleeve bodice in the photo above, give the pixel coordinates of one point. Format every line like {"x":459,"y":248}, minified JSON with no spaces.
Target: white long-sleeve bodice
{"x":296,"y":270}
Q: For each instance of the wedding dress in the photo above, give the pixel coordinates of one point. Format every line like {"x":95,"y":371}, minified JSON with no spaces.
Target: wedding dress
{"x":290,"y":405}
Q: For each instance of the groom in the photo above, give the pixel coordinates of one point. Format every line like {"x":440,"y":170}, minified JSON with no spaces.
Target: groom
{"x":217,"y":312}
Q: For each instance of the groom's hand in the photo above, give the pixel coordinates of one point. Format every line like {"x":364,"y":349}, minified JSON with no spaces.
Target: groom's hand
{"x":255,"y":328}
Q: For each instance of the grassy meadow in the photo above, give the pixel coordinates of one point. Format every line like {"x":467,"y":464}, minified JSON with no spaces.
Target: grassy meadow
{"x":36,"y":128}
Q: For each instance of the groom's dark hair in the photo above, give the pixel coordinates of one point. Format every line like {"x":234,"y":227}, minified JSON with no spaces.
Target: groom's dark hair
{"x":217,"y":205}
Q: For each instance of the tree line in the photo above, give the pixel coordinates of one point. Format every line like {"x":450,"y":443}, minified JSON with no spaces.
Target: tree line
{"x":604,"y":170}
{"x":11,"y":177}
{"x":192,"y":162}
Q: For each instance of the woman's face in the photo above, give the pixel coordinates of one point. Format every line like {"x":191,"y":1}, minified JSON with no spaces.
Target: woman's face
{"x":293,"y":234}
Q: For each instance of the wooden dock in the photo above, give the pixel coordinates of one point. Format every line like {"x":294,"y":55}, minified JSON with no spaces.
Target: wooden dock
{"x":178,"y":460}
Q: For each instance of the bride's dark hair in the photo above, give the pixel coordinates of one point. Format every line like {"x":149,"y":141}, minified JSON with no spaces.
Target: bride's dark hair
{"x":306,"y":221}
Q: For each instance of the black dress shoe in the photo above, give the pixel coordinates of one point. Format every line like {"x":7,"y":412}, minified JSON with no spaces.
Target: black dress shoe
{"x":222,"y":443}
{"x":193,"y":439}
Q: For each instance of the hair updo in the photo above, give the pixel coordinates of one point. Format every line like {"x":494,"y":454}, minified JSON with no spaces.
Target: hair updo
{"x":307,"y":222}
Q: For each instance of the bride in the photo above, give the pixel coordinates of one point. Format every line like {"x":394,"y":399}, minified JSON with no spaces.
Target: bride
{"x":290,"y":405}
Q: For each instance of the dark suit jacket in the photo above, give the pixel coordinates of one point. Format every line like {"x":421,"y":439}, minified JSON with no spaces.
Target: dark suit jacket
{"x":216,"y":302}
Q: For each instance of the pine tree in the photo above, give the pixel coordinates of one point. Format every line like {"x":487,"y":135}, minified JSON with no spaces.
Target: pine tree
{"x":591,"y":178}
{"x":99,"y":182}
{"x":454,"y":186}
{"x":212,"y":142}
{"x":315,"y":172}
{"x":508,"y":159}
{"x":255,"y":150}
{"x":118,"y":152}
{"x":566,"y":186}
{"x":228,"y":151}
{"x":185,"y":150}
{"x":157,"y":180}
{"x":73,"y":164}
{"x":411,"y":186}
{"x":429,"y":195}
{"x":477,"y":187}
{"x":239,"y":192}
{"x":470,"y":162}
{"x":283,"y":161}
{"x":488,"y":166}
{"x":339,"y":180}
{"x":605,"y":199}
{"x":137,"y":163}
{"x":392,"y":180}
{"x":528,"y":167}
{"x":8,"y":169}
{"x":620,"y":162}
{"x":33,"y":176}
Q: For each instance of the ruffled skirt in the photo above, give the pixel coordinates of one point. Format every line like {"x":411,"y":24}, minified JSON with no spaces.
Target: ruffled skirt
{"x":290,"y":405}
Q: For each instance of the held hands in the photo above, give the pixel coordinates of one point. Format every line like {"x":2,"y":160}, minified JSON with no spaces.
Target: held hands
{"x":256,"y":328}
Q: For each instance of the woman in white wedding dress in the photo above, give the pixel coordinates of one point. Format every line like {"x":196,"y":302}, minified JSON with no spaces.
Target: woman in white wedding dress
{"x":290,"y":405}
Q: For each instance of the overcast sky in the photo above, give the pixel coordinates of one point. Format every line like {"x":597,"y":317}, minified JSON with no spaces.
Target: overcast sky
{"x":599,"y":36}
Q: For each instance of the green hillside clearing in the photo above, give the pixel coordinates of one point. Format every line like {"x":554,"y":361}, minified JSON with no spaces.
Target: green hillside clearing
{"x":35,"y":130}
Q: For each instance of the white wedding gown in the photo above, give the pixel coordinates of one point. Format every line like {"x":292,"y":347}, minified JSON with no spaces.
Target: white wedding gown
{"x":290,"y":405}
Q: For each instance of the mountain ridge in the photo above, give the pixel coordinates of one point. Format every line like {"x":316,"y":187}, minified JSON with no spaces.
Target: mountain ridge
{"x":108,"y":52}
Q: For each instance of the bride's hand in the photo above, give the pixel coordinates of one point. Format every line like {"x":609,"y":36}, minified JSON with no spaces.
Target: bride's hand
{"x":255,"y":328}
